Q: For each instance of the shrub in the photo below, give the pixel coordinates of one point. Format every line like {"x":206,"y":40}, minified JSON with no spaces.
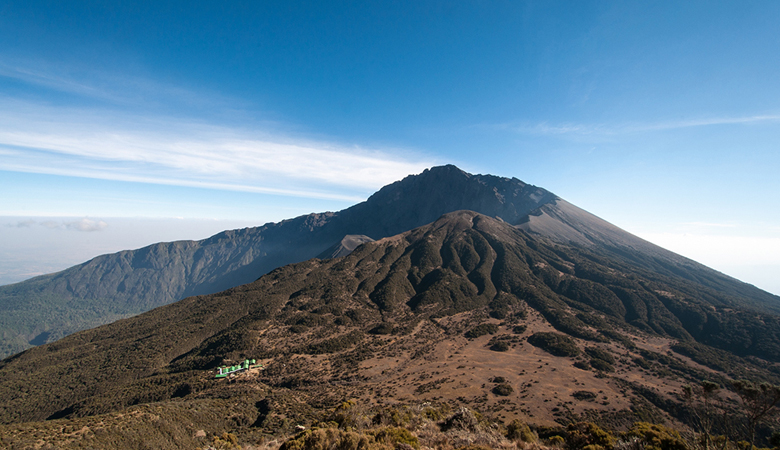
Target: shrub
{"x":519,"y":329}
{"x":657,"y":437}
{"x":463,"y":419}
{"x":481,"y":330}
{"x":500,"y":346}
{"x":601,"y":365}
{"x":393,"y":417}
{"x":556,"y":441}
{"x":588,"y":436}
{"x":334,"y":345}
{"x":227,"y":441}
{"x":382,"y":328}
{"x":584,"y":365}
{"x":584,"y":395}
{"x":554,"y":343}
{"x":519,"y":431}
{"x":503,"y":389}
{"x":396,"y":435}
{"x":298,"y":329}
{"x":597,"y":353}
{"x":330,"y":438}
{"x":349,"y":415}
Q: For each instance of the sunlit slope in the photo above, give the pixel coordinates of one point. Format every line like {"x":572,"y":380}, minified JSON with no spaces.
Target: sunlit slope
{"x":332,"y":325}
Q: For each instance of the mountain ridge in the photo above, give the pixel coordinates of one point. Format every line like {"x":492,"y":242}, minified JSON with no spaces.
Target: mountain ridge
{"x":119,"y":285}
{"x":132,"y":281}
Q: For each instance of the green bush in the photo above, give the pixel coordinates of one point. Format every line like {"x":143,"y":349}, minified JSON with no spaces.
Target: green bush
{"x":556,"y":441}
{"x":481,"y":330}
{"x":228,"y":441}
{"x":382,"y":328}
{"x":601,"y":365}
{"x":500,"y":346}
{"x":519,"y":431}
{"x":597,"y":353}
{"x":554,"y":343}
{"x":657,"y":437}
{"x":584,"y":365}
{"x":503,"y":389}
{"x":396,"y":435}
{"x":588,"y":436}
{"x":584,"y":395}
{"x":330,"y":438}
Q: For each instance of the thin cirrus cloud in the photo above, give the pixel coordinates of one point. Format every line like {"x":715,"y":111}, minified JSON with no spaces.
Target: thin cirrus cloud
{"x":107,"y":87}
{"x":101,"y":143}
{"x":547,"y":129}
{"x":227,"y":163}
{"x":48,"y":79}
{"x":176,"y":152}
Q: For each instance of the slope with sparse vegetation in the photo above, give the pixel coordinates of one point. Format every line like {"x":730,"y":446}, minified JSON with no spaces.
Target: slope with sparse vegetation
{"x":467,"y":312}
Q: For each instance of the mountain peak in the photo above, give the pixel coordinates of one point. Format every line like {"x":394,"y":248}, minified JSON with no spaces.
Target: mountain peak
{"x":130,"y":282}
{"x":448,"y":169}
{"x":439,"y":190}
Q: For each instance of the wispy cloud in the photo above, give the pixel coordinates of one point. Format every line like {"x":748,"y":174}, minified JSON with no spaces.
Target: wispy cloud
{"x":670,"y":125}
{"x":56,"y":80}
{"x":217,"y":159}
{"x":110,"y":140}
{"x":118,"y":88}
{"x":105,"y":144}
{"x":603,"y":129}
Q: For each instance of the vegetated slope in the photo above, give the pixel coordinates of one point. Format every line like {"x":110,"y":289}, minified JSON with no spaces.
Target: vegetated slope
{"x":109,"y":287}
{"x":467,"y":310}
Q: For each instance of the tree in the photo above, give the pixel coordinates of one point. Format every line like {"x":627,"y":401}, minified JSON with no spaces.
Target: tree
{"x":700,"y":400}
{"x":758,"y":403}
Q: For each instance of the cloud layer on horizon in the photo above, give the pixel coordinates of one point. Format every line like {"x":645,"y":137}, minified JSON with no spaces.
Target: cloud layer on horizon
{"x":84,"y":224}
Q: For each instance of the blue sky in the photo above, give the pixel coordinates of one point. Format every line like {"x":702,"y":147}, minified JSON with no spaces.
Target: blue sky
{"x":661,"y":117}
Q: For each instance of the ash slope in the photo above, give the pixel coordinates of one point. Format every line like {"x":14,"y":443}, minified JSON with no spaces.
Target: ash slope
{"x":388,"y":323}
